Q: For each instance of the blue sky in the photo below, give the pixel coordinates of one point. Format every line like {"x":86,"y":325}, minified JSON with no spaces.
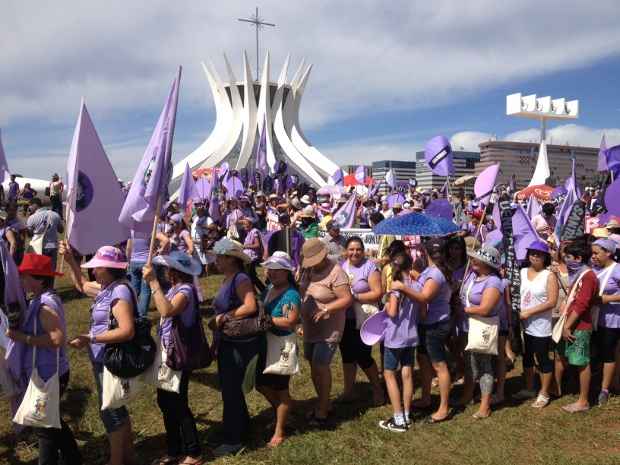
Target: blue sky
{"x":386,"y":77}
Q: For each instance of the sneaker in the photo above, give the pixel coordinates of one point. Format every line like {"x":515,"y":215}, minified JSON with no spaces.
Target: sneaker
{"x":391,"y":425}
{"x":227,"y":449}
{"x":541,"y":401}
{"x":524,"y":394}
{"x":603,"y":397}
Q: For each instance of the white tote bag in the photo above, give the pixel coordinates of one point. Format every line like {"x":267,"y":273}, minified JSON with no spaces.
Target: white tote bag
{"x":167,"y":378}
{"x":118,"y":391}
{"x":40,"y":406}
{"x":282,"y":355}
{"x":363,"y":312}
{"x":558,"y":328}
{"x":37,"y":241}
{"x":596,"y":310}
{"x":483,"y":331}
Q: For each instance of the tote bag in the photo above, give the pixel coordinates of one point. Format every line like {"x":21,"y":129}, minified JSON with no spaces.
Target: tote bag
{"x":483,"y":331}
{"x":556,"y":334}
{"x":118,"y":391}
{"x":36,"y":243}
{"x":363,"y":312}
{"x":596,"y":310}
{"x":282,"y":355}
{"x":40,"y":406}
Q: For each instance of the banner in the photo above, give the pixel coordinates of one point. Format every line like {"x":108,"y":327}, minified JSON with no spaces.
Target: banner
{"x":369,"y":238}
{"x":510,"y":259}
{"x":575,"y":226}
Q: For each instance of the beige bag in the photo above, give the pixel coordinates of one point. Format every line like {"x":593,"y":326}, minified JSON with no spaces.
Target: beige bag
{"x":556,"y":334}
{"x":40,"y":406}
{"x":363,"y":312}
{"x":596,"y":310}
{"x":282,"y":355}
{"x":483,"y":332}
{"x":118,"y":391}
{"x":167,"y":378}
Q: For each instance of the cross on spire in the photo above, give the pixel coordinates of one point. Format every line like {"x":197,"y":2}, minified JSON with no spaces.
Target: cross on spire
{"x":258,"y":23}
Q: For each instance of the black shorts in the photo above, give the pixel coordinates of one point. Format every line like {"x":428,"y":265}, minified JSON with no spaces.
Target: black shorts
{"x":537,"y":353}
{"x":352,"y":349}
{"x":606,"y":343}
{"x":275,"y":382}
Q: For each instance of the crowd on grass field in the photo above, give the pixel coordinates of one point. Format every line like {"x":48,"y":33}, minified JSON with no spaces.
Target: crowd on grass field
{"x":295,"y":286}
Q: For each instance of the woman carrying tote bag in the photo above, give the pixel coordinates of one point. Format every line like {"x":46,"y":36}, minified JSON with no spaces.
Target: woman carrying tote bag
{"x":112,"y":296}
{"x":481,"y":296}
{"x":282,"y":302}
{"x":41,"y":336}
{"x":179,"y":301}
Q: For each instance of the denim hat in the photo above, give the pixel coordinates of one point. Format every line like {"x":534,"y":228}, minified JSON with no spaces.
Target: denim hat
{"x":487,"y":255}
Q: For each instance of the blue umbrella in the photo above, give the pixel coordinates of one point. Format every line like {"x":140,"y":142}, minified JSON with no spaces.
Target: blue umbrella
{"x":416,"y":224}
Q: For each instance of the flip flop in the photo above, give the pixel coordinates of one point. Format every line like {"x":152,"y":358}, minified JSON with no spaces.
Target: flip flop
{"x":479,"y":416}
{"x":431,"y":421}
{"x":574,"y":408}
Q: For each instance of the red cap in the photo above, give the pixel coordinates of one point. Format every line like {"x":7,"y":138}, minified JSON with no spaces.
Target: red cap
{"x":37,"y":265}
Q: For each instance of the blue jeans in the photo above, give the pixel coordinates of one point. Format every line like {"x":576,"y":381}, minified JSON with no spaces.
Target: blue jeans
{"x":141,"y":287}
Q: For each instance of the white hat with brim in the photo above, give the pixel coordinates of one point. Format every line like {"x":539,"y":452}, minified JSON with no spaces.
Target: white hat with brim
{"x":279,"y":261}
{"x":179,"y":261}
{"x":230,"y":248}
{"x":488,"y":255}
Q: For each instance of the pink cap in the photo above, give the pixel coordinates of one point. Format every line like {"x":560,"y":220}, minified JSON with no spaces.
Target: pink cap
{"x":107,"y":257}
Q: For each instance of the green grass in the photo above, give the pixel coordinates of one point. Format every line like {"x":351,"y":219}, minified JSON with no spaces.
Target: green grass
{"x":513,"y":435}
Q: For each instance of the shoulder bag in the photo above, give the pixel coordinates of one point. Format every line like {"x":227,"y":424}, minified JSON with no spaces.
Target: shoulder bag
{"x":483,"y":330}
{"x":245,"y":327}
{"x":558,"y":328}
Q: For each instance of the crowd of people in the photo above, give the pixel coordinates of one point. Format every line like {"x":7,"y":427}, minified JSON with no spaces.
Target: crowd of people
{"x":285,"y":257}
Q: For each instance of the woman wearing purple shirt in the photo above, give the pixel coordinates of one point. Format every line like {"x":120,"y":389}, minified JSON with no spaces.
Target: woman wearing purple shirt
{"x":180,"y":300}
{"x":44,"y":328}
{"x":481,"y":296}
{"x":138,"y":253}
{"x":607,"y":336}
{"x":365,"y":282}
{"x":253,"y":248}
{"x":113,"y":297}
{"x":435,"y":329}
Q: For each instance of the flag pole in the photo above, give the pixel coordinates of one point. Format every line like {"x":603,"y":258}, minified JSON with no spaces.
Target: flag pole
{"x":154,"y":232}
{"x":468,"y":259}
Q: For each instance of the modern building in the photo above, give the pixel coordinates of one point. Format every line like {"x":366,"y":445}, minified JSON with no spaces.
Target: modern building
{"x":519,"y":158}
{"x":403,"y":171}
{"x":464,"y":164}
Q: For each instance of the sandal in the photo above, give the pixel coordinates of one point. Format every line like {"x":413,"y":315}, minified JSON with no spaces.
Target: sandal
{"x":480,"y":416}
{"x":431,"y":421}
{"x":575,"y":408}
{"x":541,"y":401}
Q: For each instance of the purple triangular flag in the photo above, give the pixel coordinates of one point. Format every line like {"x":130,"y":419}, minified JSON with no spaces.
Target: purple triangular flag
{"x":261,"y":151}
{"x":523,"y":232}
{"x":602,"y":159}
{"x":4,"y":166}
{"x":203,"y":189}
{"x":188,"y":190}
{"x":485,"y":183}
{"x":345,"y":215}
{"x":438,"y":156}
{"x":150,"y":183}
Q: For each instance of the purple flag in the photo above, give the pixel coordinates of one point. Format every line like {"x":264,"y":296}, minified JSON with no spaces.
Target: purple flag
{"x":567,"y":205}
{"x":439,"y":208}
{"x":214,"y":208}
{"x":523,"y":232}
{"x":203,"y":189}
{"x":345,"y":215}
{"x":94,"y":195}
{"x":5,"y":174}
{"x":337,"y":179}
{"x":222,"y":172}
{"x":234,"y":187}
{"x":150,"y":183}
{"x":496,"y":215}
{"x":396,"y":197}
{"x":390,"y":179}
{"x":612,"y":194}
{"x":188,"y":190}
{"x":485,"y":183}
{"x":612,"y":156}
{"x":533,"y":207}
{"x":494,"y":238}
{"x":558,"y":192}
{"x":438,"y":155}
{"x":602,"y":159}
{"x":360,"y":174}
{"x":261,"y":151}
{"x":292,"y":180}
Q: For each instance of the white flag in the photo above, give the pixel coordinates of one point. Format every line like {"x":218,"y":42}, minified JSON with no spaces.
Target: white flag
{"x":542,"y":172}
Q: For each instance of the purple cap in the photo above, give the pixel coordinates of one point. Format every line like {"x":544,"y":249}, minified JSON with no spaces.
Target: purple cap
{"x":608,"y":244}
{"x":373,"y":328}
{"x":539,"y":245}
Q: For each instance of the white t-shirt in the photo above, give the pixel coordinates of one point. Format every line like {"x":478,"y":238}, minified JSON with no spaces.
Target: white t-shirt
{"x":534,"y":293}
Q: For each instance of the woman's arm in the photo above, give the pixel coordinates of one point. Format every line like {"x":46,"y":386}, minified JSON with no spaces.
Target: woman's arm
{"x":343,"y":300}
{"x":189,"y":243}
{"x":374,"y":294}
{"x":552,"y":299}
{"x":245,"y":292}
{"x":53,"y":336}
{"x":392,"y":305}
{"x":123,"y":313}
{"x":90,"y":288}
{"x":290,"y":318}
{"x":129,"y":248}
{"x":426,"y":295}
{"x":12,"y":240}
{"x":490,"y":298}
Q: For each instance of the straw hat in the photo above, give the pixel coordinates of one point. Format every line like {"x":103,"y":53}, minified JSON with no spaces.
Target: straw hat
{"x":228,"y":247}
{"x":613,"y":223}
{"x":600,"y":232}
{"x":314,"y":252}
{"x":279,"y":261}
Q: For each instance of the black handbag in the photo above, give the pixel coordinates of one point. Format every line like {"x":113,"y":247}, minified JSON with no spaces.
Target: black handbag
{"x":247,"y":327}
{"x":131,"y":358}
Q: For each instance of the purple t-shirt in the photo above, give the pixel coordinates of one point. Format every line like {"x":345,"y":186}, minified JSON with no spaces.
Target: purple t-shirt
{"x":226,"y":298}
{"x":439,"y":307}
{"x":609,"y":314}
{"x":188,"y":315}
{"x":358,"y":279}
{"x":252,"y":235}
{"x":100,"y":313}
{"x":402,"y":331}
{"x":45,"y":357}
{"x":475,"y":293}
{"x":139,"y":247}
{"x":178,"y":241}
